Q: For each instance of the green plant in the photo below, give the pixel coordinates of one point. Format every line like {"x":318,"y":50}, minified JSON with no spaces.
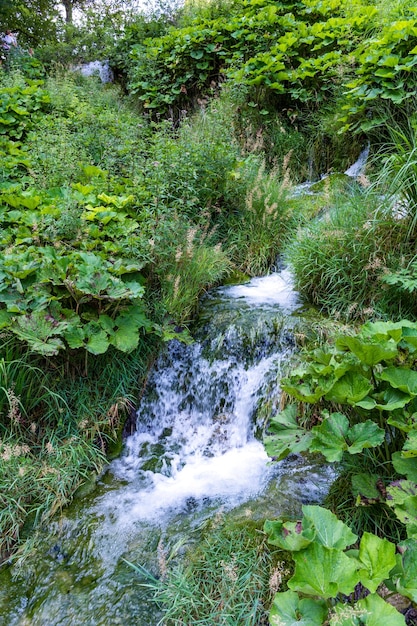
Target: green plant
{"x":226,"y":578}
{"x":339,"y":260}
{"x":370,"y":377}
{"x":336,"y":578}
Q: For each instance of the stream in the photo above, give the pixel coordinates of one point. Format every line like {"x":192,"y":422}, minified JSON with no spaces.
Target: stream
{"x":195,"y":454}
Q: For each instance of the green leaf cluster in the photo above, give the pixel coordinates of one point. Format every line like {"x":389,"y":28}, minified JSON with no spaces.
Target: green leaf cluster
{"x":20,"y":106}
{"x":371,"y":375}
{"x":294,"y":50}
{"x":386,"y":73}
{"x":71,"y":287}
{"x":330,"y":564}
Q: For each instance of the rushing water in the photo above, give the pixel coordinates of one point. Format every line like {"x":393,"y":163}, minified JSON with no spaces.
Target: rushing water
{"x":194,"y":453}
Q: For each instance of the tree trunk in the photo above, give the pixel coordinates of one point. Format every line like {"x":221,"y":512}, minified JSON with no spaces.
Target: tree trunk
{"x":68,"y":11}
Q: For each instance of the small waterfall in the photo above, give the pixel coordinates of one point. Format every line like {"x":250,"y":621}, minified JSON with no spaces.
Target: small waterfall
{"x":194,"y":454}
{"x":96,"y":68}
{"x":357,"y":168}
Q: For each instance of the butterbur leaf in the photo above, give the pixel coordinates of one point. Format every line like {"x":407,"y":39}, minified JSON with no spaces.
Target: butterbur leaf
{"x":350,"y":388}
{"x":390,"y":400}
{"x":400,"y":378}
{"x":308,"y":390}
{"x":329,"y":531}
{"x":364,"y":488}
{"x":289,"y":610}
{"x":323,"y":571}
{"x":372,"y":611}
{"x":5,"y":318}
{"x":41,"y":332}
{"x":405,"y":575}
{"x":410,"y":445}
{"x":406,"y":466}
{"x":377,"y":558}
{"x":365,"y":435}
{"x":403,"y":421}
{"x":287,"y":435}
{"x":288,"y":535}
{"x":127,"y":326}
{"x":368,"y":351}
{"x":402,"y":498}
{"x":97,"y":338}
{"x":330,"y":437}
{"x":74,"y":336}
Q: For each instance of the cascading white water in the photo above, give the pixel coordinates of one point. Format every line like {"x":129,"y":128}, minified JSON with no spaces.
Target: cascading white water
{"x":357,"y":168}
{"x":195,"y":427}
{"x":96,"y":68}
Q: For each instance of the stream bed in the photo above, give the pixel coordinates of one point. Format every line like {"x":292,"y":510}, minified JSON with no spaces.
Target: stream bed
{"x":195,"y":454}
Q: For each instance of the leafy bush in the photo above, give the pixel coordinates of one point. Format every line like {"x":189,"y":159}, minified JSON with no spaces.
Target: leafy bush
{"x":370,"y":377}
{"x":385,"y":82}
{"x":333,"y":584}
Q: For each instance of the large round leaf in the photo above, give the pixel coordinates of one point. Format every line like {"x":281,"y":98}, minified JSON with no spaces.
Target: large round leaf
{"x":289,"y":610}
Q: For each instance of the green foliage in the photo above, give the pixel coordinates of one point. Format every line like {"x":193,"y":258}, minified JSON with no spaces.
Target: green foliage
{"x":223,"y":579}
{"x":20,"y":105}
{"x":295,"y":51}
{"x":328,"y":572}
{"x":339,"y":260}
{"x":386,"y":75}
{"x":80,"y":290}
{"x":371,"y":376}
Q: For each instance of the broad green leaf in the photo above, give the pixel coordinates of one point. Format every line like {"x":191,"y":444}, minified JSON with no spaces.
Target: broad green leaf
{"x":323,"y":571}
{"x":288,"y":535}
{"x":288,"y":609}
{"x":368,"y":351}
{"x":403,"y":421}
{"x":365,"y":435}
{"x":350,"y":388}
{"x":364,"y":488}
{"x":41,"y":332}
{"x":330,"y":437}
{"x":378,"y":558}
{"x":127,"y":327}
{"x":402,"y":498}
{"x":401,"y":378}
{"x":389,"y":400}
{"x":372,"y":611}
{"x":406,"y":466}
{"x":74,"y":336}
{"x":97,"y":339}
{"x":5,"y":318}
{"x":310,"y":390}
{"x":410,"y":446}
{"x":287,"y":435}
{"x":405,"y":576}
{"x":330,"y":531}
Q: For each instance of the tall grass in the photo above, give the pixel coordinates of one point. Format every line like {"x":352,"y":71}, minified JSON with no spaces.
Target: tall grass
{"x":397,"y":178}
{"x":229,"y":578}
{"x":187,"y":262}
{"x":340,"y":258}
{"x":257,"y":230}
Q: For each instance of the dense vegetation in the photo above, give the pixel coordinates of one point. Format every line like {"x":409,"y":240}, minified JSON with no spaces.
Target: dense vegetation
{"x":120,"y":205}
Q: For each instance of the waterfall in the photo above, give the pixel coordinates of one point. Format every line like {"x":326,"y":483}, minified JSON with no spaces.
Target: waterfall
{"x":96,"y":68}
{"x":356,"y":169}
